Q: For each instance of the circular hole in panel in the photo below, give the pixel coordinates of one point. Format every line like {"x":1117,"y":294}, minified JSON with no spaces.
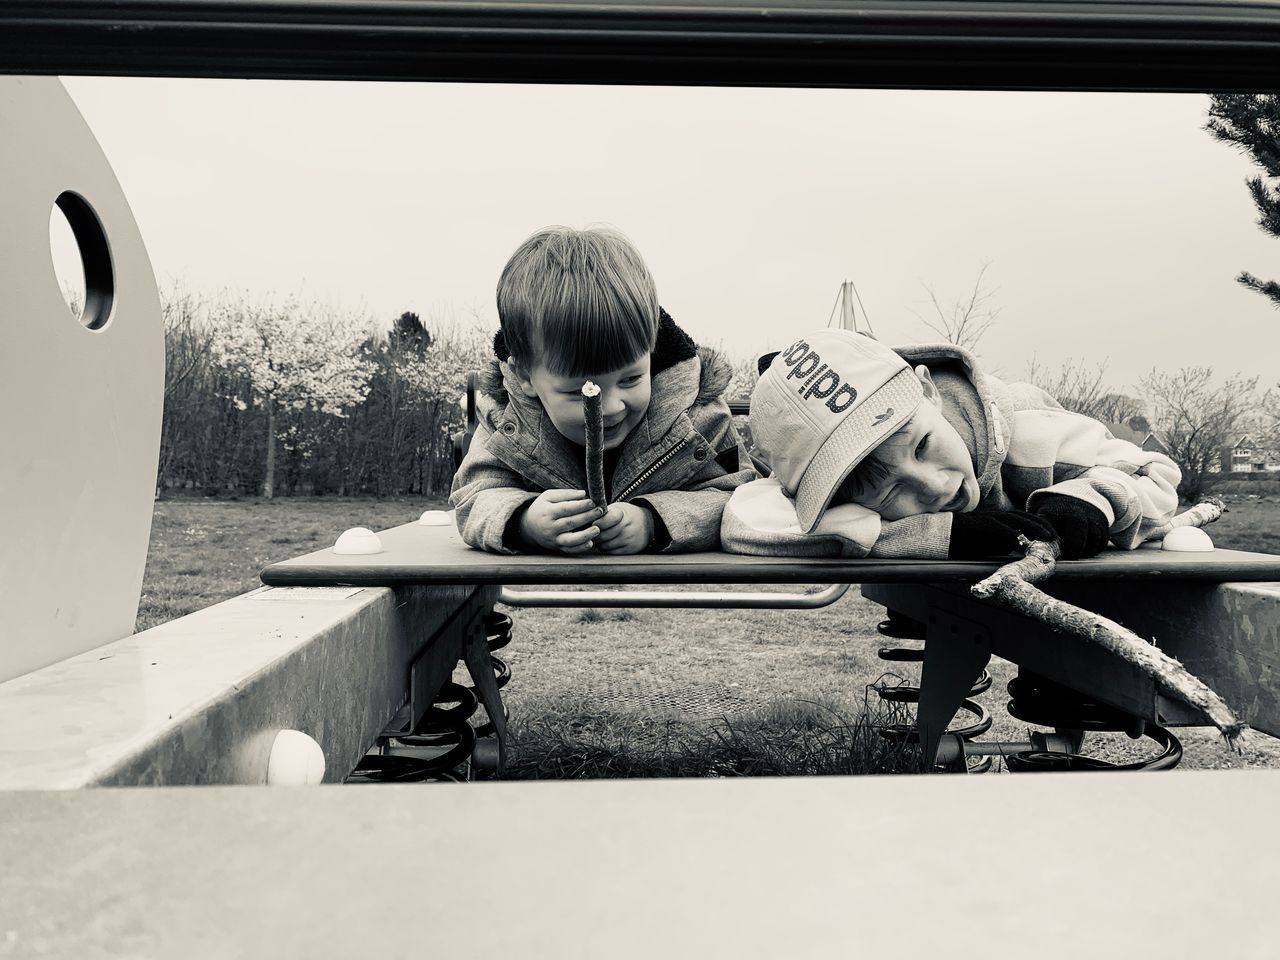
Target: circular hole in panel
{"x":81,"y":259}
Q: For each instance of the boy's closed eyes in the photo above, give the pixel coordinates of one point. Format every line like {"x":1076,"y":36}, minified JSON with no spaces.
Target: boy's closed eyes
{"x":924,"y":467}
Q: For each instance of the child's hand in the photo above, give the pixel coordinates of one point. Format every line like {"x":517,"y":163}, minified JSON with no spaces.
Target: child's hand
{"x":1080,"y":526}
{"x":561,"y":520}
{"x":982,"y":534}
{"x":625,"y":528}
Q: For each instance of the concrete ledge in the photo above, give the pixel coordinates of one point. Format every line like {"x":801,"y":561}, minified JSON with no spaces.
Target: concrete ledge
{"x":1051,"y":865}
{"x":199,"y":700}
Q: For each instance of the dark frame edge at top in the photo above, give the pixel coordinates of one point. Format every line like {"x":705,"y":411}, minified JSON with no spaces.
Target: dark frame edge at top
{"x":1138,"y":45}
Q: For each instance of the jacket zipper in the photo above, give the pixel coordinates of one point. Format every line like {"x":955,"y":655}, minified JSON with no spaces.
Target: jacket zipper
{"x":649,"y":471}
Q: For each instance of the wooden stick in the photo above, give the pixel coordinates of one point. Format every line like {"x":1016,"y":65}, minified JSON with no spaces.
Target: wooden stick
{"x":1202,"y":514}
{"x":593,"y":425}
{"x":1012,"y":586}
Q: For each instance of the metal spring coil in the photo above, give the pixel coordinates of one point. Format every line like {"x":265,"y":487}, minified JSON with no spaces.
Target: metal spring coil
{"x":441,"y":727}
{"x":448,"y":728}
{"x":1037,"y":700}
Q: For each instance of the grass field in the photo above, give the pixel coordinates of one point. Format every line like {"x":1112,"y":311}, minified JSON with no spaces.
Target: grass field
{"x":645,"y":692}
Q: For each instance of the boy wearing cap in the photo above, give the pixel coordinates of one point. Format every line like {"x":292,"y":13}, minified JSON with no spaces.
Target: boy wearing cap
{"x":915,"y":452}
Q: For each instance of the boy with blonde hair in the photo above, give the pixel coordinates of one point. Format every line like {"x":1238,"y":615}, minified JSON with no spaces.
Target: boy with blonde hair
{"x":916,"y":452}
{"x":579,"y":305}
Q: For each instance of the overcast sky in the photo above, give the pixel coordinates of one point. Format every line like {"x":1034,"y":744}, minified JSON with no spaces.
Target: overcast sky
{"x":1113,"y":224}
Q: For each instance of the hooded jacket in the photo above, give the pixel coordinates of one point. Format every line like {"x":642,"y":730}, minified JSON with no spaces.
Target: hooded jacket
{"x":682,"y":460}
{"x":1024,"y":445}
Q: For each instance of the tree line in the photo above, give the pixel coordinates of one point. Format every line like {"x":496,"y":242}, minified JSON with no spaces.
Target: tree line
{"x":1193,"y":415}
{"x":288,"y":398}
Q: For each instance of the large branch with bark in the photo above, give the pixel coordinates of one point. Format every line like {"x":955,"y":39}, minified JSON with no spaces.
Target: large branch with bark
{"x":1013,"y":586}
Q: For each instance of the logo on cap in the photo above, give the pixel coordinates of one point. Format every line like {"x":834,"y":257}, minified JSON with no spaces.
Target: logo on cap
{"x":819,"y":379}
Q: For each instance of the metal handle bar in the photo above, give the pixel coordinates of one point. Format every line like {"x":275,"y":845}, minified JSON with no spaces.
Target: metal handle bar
{"x":672,"y":598}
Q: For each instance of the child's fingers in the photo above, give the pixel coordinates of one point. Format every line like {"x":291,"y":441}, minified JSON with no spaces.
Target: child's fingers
{"x":574,"y":551}
{"x":576,"y":538}
{"x":610,"y":519}
{"x":567,"y":508}
{"x":616,"y":537}
{"x":561,"y":496}
{"x":576,"y":520}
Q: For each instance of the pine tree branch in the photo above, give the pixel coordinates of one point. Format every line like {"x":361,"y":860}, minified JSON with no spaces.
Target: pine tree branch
{"x":1268,"y":288}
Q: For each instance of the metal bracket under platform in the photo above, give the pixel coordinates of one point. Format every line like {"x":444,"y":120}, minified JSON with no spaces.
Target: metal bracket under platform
{"x":962,"y":633}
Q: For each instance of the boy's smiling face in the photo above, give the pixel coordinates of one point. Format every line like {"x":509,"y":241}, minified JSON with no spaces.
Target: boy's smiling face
{"x":624,"y":398}
{"x":924,"y":467}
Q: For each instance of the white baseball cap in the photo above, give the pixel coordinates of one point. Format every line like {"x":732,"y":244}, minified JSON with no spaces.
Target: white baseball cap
{"x":822,"y":405}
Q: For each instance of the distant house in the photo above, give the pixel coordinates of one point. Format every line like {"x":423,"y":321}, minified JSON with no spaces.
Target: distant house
{"x":1140,"y":438}
{"x":1240,"y":455}
{"x":1154,"y":444}
{"x":1250,"y":454}
{"x":1122,"y":431}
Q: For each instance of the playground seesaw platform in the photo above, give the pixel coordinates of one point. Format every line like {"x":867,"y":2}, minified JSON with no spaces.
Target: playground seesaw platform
{"x":1217,"y":611}
{"x":416,"y":554}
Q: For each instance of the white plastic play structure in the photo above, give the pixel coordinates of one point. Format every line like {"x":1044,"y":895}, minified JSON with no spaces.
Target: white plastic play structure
{"x":80,"y":400}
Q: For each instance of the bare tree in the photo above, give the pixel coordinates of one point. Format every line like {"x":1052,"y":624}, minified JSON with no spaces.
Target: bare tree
{"x":744,"y":378}
{"x":188,"y":340}
{"x":1083,"y":390}
{"x":1271,"y":413}
{"x":966,"y":320}
{"x":1197,"y":419}
{"x":188,"y":337}
{"x":1074,"y":385}
{"x":1262,"y":424}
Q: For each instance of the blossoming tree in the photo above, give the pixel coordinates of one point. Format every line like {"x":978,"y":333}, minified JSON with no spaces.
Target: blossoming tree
{"x":292,"y":358}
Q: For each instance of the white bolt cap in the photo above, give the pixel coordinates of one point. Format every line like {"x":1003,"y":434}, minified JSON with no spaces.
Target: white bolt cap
{"x":358,"y":540}
{"x":1187,"y":540}
{"x":296,"y":760}
{"x":436,"y":518}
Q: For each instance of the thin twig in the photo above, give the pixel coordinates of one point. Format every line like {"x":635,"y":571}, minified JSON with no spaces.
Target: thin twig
{"x":1202,"y":514}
